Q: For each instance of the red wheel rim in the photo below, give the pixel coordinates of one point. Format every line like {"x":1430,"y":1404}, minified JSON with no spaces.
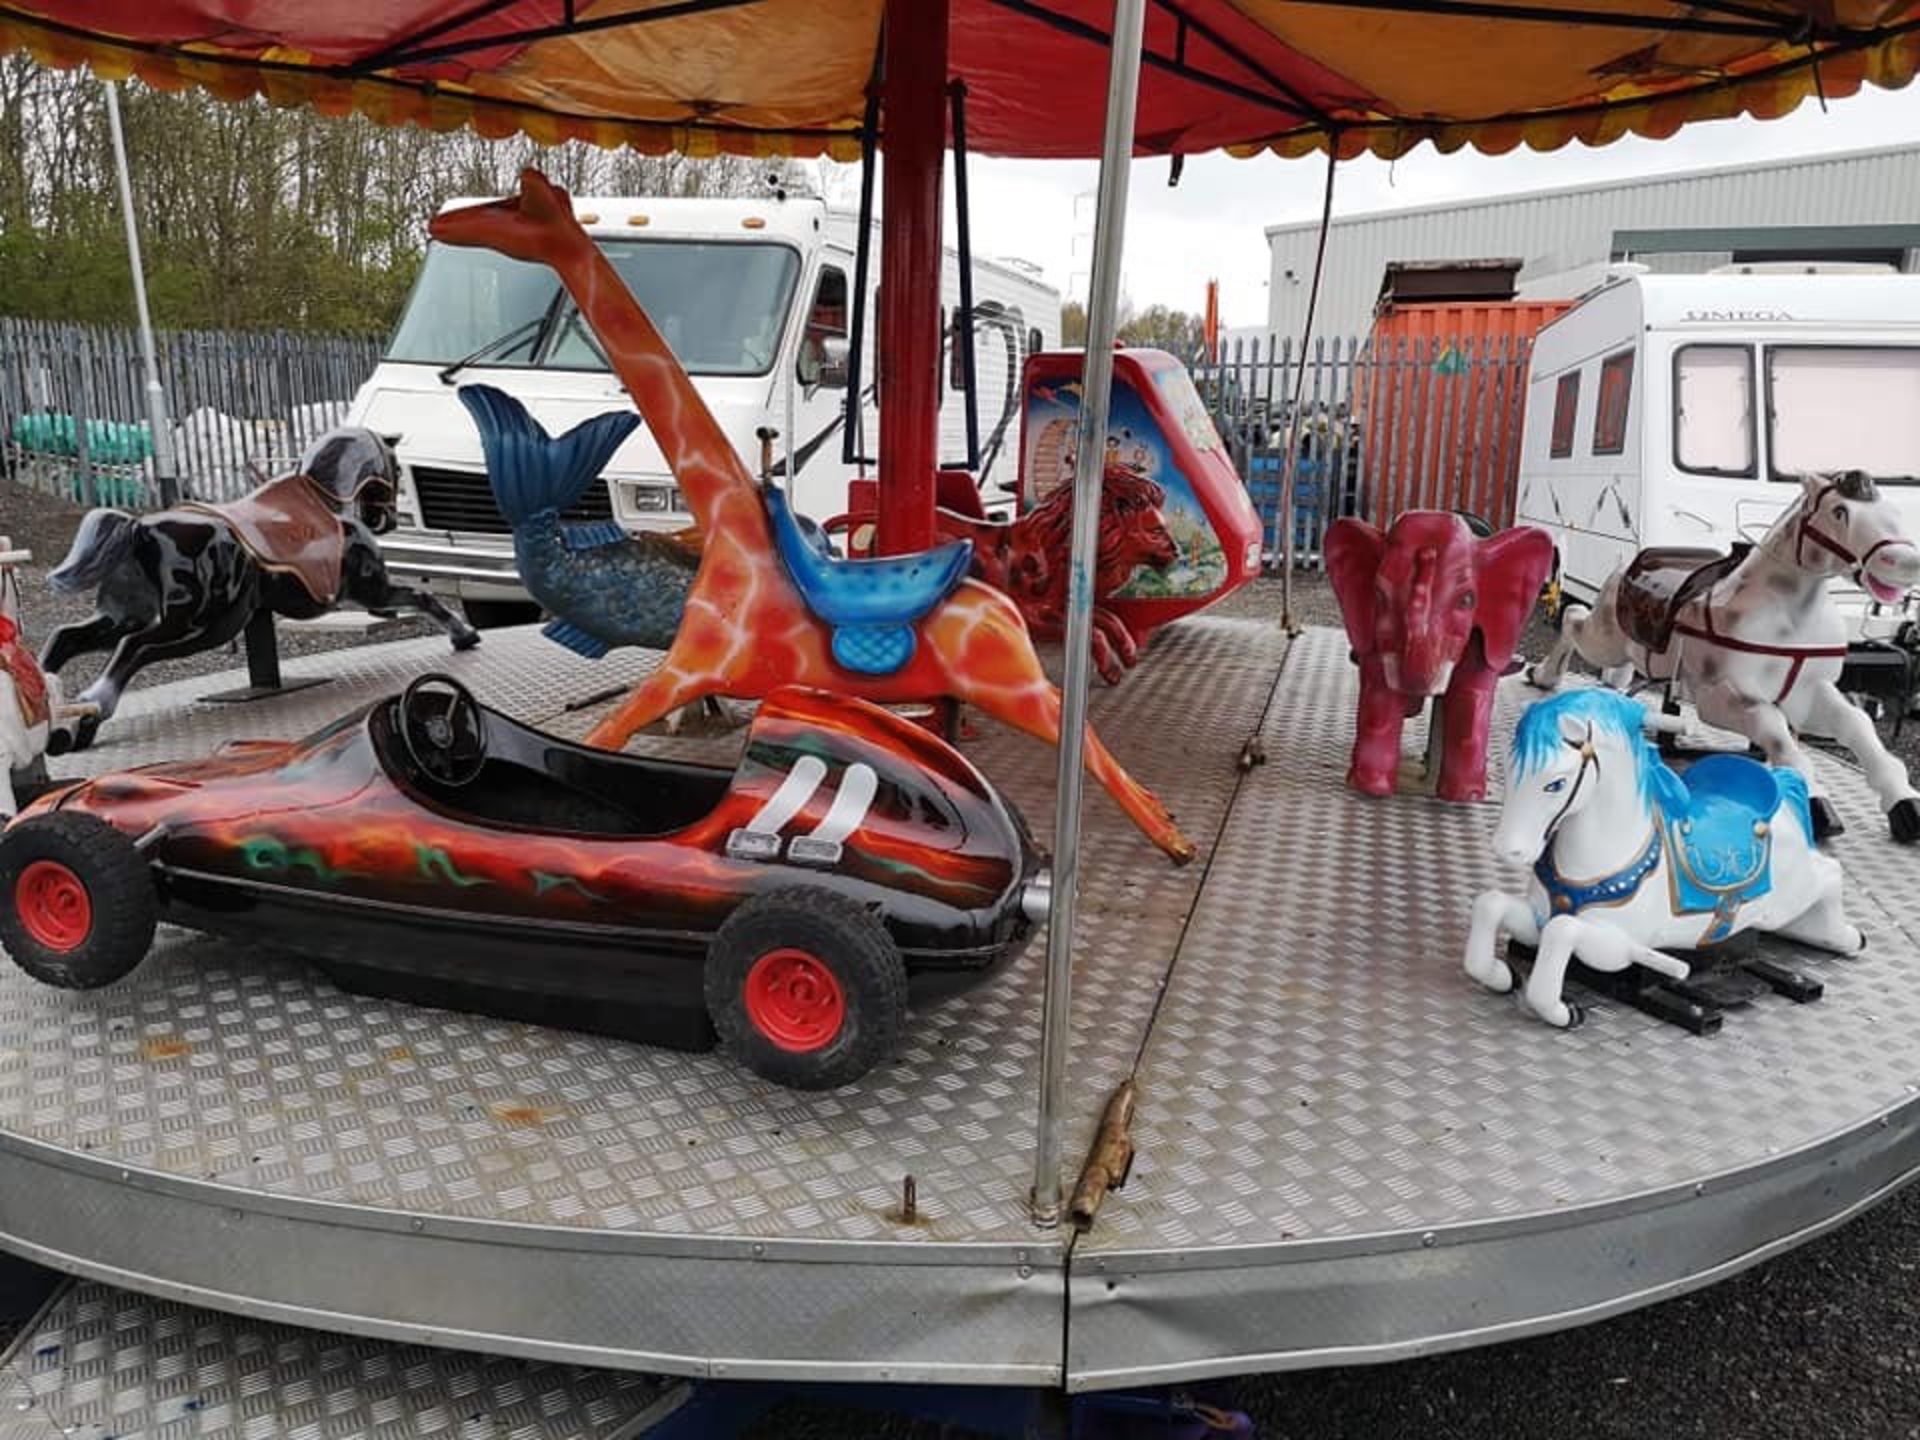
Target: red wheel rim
{"x":794,"y":1001}
{"x":53,"y":905}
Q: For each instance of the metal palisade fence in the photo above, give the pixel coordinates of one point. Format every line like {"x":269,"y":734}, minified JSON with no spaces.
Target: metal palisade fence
{"x":243,"y":406}
{"x":1386,"y":424}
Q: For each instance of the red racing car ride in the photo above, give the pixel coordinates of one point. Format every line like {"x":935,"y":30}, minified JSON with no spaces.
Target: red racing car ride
{"x":432,"y":849}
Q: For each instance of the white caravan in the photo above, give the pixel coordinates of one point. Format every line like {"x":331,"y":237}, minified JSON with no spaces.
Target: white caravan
{"x":754,"y":297}
{"x":1678,"y":409}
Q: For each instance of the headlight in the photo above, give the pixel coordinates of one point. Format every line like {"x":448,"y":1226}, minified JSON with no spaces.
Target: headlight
{"x":657,"y":499}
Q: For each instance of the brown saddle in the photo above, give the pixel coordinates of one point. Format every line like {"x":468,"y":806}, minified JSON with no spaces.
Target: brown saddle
{"x":1659,"y":583}
{"x":288,"y":527}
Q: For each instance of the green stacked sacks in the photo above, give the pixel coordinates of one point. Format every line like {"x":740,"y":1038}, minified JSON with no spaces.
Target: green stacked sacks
{"x":109,"y":442}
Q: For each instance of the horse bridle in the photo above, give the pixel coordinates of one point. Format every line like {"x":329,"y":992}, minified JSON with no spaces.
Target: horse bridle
{"x":1589,"y":760}
{"x":1806,"y":530}
{"x":385,"y":506}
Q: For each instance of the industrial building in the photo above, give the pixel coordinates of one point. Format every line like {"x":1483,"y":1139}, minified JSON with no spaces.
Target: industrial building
{"x":1854,"y":206}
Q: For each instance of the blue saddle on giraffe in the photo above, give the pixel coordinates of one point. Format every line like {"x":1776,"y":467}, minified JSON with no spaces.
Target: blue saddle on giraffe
{"x":1718,"y":822}
{"x":871,"y":604}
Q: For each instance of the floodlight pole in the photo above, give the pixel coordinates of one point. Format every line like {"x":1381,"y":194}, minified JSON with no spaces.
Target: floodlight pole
{"x":162,"y":438}
{"x":1090,"y":457}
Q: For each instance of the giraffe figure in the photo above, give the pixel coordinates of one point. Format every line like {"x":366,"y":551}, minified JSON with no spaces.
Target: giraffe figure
{"x":747,"y":630}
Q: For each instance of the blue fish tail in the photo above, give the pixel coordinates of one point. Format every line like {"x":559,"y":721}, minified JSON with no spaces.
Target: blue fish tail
{"x":591,"y":535}
{"x":565,"y":632}
{"x":530,"y":470}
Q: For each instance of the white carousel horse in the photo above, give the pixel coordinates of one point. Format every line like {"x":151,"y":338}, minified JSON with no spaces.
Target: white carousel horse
{"x":1755,"y":641}
{"x":29,"y":699}
{"x":1661,"y":861}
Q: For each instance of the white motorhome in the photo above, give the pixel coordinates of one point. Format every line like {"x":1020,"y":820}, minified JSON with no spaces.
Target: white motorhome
{"x":755,"y":298}
{"x":1679,"y":409}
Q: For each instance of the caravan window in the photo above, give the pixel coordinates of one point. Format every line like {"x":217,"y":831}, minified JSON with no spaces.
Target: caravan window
{"x":1843,"y":407}
{"x":1566,"y":409}
{"x":826,"y":320}
{"x":1616,"y":395}
{"x":1713,"y":409}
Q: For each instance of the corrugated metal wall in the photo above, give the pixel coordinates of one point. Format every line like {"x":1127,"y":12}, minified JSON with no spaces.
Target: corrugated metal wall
{"x":1561,"y":230}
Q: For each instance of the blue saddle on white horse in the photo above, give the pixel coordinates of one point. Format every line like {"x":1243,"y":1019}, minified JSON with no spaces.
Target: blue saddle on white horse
{"x":1719,"y":831}
{"x":1715,"y":829}
{"x":871,"y":604}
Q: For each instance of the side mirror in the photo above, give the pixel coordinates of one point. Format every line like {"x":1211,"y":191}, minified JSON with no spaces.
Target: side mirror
{"x":824,"y":362}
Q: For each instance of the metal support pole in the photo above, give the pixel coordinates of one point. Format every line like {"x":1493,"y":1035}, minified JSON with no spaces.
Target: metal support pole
{"x":1290,"y":458}
{"x":914,"y":119}
{"x":263,"y":651}
{"x":163,"y":463}
{"x":1103,"y":316}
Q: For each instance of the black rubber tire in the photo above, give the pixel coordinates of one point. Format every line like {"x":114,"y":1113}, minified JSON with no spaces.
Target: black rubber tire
{"x":120,"y":896}
{"x":855,"y":947}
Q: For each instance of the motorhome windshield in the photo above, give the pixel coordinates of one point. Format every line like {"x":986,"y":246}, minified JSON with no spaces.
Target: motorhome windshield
{"x":722,"y":306}
{"x":1844,"y":407}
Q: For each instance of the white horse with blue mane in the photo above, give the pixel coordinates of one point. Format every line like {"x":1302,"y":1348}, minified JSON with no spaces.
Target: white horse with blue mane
{"x":1630,"y":859}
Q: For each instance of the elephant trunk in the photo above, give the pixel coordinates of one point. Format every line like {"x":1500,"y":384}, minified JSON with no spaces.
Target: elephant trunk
{"x":1426,"y":658}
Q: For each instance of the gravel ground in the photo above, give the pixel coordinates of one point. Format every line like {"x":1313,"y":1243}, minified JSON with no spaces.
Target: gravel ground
{"x":1823,"y":1344}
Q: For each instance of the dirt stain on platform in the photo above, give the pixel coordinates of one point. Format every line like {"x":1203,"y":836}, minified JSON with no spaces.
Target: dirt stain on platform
{"x":165,"y":1047}
{"x":523,"y":1117}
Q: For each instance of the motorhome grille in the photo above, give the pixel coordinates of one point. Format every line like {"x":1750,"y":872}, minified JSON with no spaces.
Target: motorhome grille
{"x":462,"y":500}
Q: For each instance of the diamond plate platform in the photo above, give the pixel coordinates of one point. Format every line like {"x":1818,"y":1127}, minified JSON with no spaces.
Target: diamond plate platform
{"x":1347,"y":1150}
{"x":105,"y":1364}
{"x":228,"y":1129}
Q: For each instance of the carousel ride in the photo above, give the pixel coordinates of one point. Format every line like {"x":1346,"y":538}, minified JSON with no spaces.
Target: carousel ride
{"x":1322,"y":1144}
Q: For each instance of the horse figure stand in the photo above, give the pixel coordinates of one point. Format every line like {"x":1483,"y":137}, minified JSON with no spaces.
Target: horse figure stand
{"x":1631,"y":860}
{"x":748,"y":628}
{"x":187,"y":579}
{"x":1754,"y":640}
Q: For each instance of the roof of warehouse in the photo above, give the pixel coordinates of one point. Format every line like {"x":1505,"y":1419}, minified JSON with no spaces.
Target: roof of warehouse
{"x":1670,"y":177}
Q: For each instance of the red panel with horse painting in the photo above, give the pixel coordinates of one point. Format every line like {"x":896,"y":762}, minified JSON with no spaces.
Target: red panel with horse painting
{"x":1177,"y":531}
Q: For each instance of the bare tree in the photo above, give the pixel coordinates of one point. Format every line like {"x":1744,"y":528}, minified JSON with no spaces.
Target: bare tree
{"x":254,"y":216}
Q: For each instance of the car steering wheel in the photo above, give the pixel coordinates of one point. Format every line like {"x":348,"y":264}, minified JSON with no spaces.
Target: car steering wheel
{"x":444,"y":729}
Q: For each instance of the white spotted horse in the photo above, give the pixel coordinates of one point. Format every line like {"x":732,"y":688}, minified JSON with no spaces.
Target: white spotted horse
{"x":188,"y":579}
{"x":1755,"y":640}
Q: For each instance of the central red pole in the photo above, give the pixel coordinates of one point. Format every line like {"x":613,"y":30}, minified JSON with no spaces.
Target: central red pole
{"x":913,"y":126}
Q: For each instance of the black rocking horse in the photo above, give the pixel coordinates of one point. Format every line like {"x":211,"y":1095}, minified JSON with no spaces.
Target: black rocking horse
{"x":184,"y":580}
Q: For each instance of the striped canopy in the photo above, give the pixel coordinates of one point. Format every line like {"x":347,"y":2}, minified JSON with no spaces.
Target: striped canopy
{"x":780,"y":77}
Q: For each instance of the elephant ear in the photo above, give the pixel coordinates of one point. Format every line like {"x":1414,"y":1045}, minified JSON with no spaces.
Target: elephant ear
{"x":1353,"y":549}
{"x":1510,"y":568}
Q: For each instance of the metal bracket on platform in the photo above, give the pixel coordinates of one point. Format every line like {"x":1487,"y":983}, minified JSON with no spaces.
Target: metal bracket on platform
{"x":263,"y":666}
{"x":1724,"y":979}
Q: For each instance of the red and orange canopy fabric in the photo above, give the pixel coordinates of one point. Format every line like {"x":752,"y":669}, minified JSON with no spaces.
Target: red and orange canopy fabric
{"x":779,"y":77}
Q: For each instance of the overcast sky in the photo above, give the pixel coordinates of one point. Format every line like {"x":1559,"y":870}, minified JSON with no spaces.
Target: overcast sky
{"x":1213,"y":224}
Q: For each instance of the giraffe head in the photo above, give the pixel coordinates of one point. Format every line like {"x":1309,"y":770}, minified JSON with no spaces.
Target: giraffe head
{"x":533,"y":225}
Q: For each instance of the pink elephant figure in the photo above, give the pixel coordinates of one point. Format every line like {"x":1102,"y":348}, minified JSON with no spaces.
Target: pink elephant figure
{"x":1431,"y":610}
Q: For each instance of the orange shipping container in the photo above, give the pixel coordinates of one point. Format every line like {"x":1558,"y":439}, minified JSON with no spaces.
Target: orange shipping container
{"x":1442,"y":403}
